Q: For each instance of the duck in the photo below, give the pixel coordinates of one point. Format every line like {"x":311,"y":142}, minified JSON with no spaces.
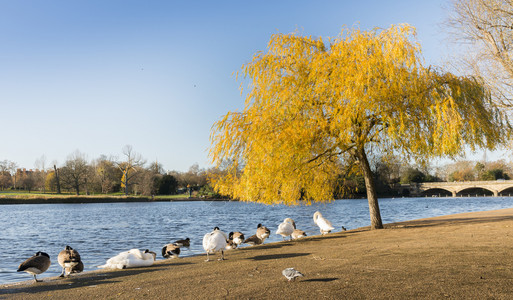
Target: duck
{"x":215,"y":241}
{"x":36,"y":264}
{"x":324,"y":225}
{"x":171,"y":250}
{"x":235,"y":239}
{"x":286,"y":228}
{"x":69,"y":260}
{"x":183,"y":243}
{"x":131,"y":259}
{"x":297,"y":234}
{"x":261,"y":234}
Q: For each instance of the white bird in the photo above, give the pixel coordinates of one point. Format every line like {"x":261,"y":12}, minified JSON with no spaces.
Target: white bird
{"x":70,"y":261}
{"x":286,"y":228}
{"x":215,"y":241}
{"x":324,"y":225}
{"x":291,"y":274}
{"x":130,"y":259}
{"x":36,"y":264}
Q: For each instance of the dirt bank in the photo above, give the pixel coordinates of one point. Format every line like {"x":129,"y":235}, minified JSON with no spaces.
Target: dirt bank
{"x":460,"y":256}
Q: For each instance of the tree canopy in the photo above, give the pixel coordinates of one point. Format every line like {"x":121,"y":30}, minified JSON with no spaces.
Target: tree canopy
{"x":313,"y":105}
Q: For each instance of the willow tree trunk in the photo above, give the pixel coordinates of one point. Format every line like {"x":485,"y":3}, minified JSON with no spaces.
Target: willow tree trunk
{"x":372,"y":198}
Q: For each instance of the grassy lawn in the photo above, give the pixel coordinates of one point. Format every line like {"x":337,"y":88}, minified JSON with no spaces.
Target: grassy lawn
{"x":36,"y":194}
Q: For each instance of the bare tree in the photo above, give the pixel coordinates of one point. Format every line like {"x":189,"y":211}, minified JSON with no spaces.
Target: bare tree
{"x":105,"y":174}
{"x":13,"y":169}
{"x":130,"y":167}
{"x":75,"y":171}
{"x":485,"y":27}
{"x":40,"y":179}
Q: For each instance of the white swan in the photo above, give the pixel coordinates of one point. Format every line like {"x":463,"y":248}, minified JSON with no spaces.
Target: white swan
{"x":130,"y":259}
{"x":324,"y":225}
{"x":215,"y":241}
{"x":286,"y":228}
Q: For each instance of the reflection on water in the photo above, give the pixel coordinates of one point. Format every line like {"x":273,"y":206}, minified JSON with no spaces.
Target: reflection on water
{"x":100,"y":231}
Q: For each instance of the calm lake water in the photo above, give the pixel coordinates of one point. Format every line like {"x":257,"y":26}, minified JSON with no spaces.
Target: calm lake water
{"x":100,"y":231}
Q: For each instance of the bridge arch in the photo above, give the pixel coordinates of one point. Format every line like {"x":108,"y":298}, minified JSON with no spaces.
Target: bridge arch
{"x":475,"y":191}
{"x":437,"y":192}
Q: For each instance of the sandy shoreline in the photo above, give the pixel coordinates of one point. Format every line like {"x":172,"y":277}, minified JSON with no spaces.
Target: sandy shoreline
{"x":459,"y":256}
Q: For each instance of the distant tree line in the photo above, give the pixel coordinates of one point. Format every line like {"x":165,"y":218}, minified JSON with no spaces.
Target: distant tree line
{"x":132,"y":175}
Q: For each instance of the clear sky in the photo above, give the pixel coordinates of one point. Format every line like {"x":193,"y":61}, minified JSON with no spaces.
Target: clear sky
{"x":97,"y":75}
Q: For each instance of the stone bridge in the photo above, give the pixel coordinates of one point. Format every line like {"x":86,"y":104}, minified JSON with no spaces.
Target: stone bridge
{"x":465,"y":188}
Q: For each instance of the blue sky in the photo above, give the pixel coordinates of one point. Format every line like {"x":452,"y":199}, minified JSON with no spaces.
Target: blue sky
{"x":94,"y":76}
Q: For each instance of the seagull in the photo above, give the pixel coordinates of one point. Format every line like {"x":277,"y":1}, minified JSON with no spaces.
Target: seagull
{"x":36,"y":264}
{"x":70,"y":261}
{"x":291,"y":274}
{"x":324,"y":225}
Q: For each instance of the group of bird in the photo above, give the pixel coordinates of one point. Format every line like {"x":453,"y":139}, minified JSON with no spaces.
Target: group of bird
{"x":215,"y":241}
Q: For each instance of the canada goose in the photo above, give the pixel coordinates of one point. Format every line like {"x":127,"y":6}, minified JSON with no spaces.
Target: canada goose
{"x":262,"y":232}
{"x":286,"y":228}
{"x":291,"y":274}
{"x":235,"y":239}
{"x":254,"y":240}
{"x":183,"y":243}
{"x":215,"y":241}
{"x":324,"y":225}
{"x":70,"y":261}
{"x":297,"y":234}
{"x":131,"y":259}
{"x":37,"y":264}
{"x":171,"y":251}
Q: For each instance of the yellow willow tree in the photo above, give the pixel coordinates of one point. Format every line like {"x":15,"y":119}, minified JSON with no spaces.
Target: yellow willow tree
{"x":313,"y":105}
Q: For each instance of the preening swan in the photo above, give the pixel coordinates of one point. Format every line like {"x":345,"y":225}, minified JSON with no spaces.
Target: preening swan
{"x":286,"y":228}
{"x":131,"y":259}
{"x":171,"y":250}
{"x":70,"y":261}
{"x":36,"y":264}
{"x":215,"y":241}
{"x":324,"y":225}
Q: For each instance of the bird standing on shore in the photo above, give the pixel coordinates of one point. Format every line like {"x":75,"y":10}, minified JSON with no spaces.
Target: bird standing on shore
{"x":286,"y":228}
{"x":297,"y":234}
{"x":215,"y":241}
{"x":261,"y":234}
{"x":171,"y":250}
{"x":324,"y":225}
{"x":235,"y":239}
{"x":37,"y":264}
{"x":70,"y":261}
{"x":291,"y":274}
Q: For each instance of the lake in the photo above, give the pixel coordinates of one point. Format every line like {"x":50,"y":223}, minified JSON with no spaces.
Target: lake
{"x":101,"y":230}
